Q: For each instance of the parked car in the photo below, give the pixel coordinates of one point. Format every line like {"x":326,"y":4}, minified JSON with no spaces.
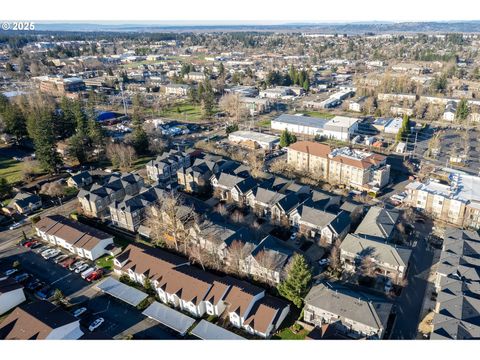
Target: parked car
{"x":77,"y":313}
{"x":67,"y":262}
{"x":293,"y":236}
{"x":53,"y":254}
{"x":22,"y":277}
{"x":10,"y":272}
{"x":36,"y":246}
{"x":81,"y":268}
{"x":45,"y":293}
{"x":87,"y":272}
{"x":94,"y":325}
{"x":30,"y":244}
{"x":50,"y":253}
{"x":75,"y":265}
{"x":42,"y":249}
{"x":47,"y":251}
{"x":324,"y":262}
{"x":388,"y":286}
{"x":17,"y":224}
{"x":34,"y":284}
{"x":60,"y":258}
{"x":95,"y":275}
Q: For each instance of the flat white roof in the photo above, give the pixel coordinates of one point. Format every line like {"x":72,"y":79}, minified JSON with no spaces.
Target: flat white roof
{"x":207,"y":331}
{"x":121,"y":291}
{"x":256,"y":136}
{"x":169,"y":317}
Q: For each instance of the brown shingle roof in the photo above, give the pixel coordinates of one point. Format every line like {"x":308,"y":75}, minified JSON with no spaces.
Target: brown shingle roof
{"x":312,"y":148}
{"x":153,"y":263}
{"x":266,"y":311}
{"x":240,"y":296}
{"x":34,"y":321}
{"x":73,"y":232}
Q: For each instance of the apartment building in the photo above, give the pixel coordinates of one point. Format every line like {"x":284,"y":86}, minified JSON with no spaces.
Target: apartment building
{"x":344,"y":166}
{"x":164,"y":167}
{"x":60,"y":87}
{"x":95,"y":201}
{"x":455,"y":201}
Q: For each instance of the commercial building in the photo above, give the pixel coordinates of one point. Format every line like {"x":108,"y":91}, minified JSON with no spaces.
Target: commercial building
{"x":254,"y":139}
{"x":299,"y":124}
{"x":341,"y":128}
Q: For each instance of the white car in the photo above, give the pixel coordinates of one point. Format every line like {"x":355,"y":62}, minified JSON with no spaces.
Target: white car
{"x":79,"y":312}
{"x":60,"y":258}
{"x":46,"y":252}
{"x":81,"y":268}
{"x":324,"y":262}
{"x":53,"y":254}
{"x":17,"y":225}
{"x":293,"y":236}
{"x":94,"y":325}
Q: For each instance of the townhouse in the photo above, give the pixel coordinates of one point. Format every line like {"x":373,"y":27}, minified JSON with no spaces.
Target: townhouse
{"x":455,"y":201}
{"x":389,"y":261}
{"x":200,"y":293}
{"x":80,"y":180}
{"x":351,"y":313}
{"x":233,"y":184}
{"x":95,"y":201}
{"x":40,"y":320}
{"x":79,"y":239}
{"x":130,"y":212}
{"x":164,"y":167}
{"x":458,"y":286}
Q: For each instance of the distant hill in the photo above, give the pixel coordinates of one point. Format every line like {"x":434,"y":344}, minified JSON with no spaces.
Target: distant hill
{"x":329,"y":28}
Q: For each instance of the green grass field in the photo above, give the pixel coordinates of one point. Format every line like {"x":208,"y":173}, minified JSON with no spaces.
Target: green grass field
{"x":105,"y":262}
{"x":187,"y":112}
{"x":319,"y":114}
{"x":287,"y":334}
{"x":10,"y":169}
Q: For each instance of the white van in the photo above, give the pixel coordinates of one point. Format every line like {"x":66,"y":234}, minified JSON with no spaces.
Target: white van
{"x":87,"y":272}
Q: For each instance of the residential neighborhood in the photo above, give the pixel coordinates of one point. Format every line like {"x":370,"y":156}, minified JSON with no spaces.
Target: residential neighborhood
{"x":260,"y":182}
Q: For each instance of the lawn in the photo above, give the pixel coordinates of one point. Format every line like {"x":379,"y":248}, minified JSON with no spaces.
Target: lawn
{"x":105,"y":262}
{"x":288,"y":334}
{"x":187,"y":112}
{"x":324,"y":115}
{"x":265,"y":123}
{"x":141,"y":161}
{"x":10,"y":169}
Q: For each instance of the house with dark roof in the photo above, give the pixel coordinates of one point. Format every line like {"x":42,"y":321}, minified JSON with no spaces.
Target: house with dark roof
{"x":80,"y":180}
{"x":130,"y":212}
{"x":390,"y":261}
{"x":379,"y":224}
{"x":224,"y":182}
{"x":11,"y":295}
{"x":457,"y":311}
{"x":24,"y":203}
{"x":268,"y":260}
{"x":40,"y":320}
{"x":80,"y":239}
{"x":353,"y":313}
{"x":95,"y":201}
{"x":164,"y":167}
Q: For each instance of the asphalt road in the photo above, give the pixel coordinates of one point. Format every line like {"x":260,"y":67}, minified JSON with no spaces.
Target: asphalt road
{"x":409,"y":303}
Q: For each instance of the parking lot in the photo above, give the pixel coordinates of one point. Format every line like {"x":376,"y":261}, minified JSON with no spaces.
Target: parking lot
{"x":120,"y":319}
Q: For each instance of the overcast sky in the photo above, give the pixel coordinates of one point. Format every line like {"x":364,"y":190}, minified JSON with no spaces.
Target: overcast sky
{"x":242,"y":11}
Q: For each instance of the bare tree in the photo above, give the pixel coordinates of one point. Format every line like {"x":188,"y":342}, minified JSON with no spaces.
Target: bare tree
{"x":232,"y":105}
{"x":237,"y":253}
{"x":170,"y":221}
{"x":367,"y":266}
{"x":267,"y":264}
{"x":334,"y":257}
{"x":121,"y":155}
{"x":54,"y":189}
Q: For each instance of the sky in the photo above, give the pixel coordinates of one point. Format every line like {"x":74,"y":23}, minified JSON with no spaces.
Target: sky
{"x":242,"y":11}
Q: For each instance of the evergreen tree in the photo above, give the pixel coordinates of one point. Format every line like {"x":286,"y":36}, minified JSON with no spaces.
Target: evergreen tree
{"x":43,"y":137}
{"x":286,"y":138}
{"x":139,"y":136}
{"x":208,"y":99}
{"x":65,"y":123}
{"x":295,"y":286}
{"x":462,"y":110}
{"x":15,"y":122}
{"x":5,"y":188}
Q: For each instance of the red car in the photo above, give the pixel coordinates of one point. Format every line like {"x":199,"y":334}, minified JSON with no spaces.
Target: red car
{"x":30,"y":243}
{"x":68,"y":262}
{"x":95,"y":275}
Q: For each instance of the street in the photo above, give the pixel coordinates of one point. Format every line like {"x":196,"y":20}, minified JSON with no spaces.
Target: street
{"x":409,"y":303}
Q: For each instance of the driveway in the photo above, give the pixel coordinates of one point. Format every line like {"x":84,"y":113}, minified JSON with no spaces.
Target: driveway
{"x":409,"y":303}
